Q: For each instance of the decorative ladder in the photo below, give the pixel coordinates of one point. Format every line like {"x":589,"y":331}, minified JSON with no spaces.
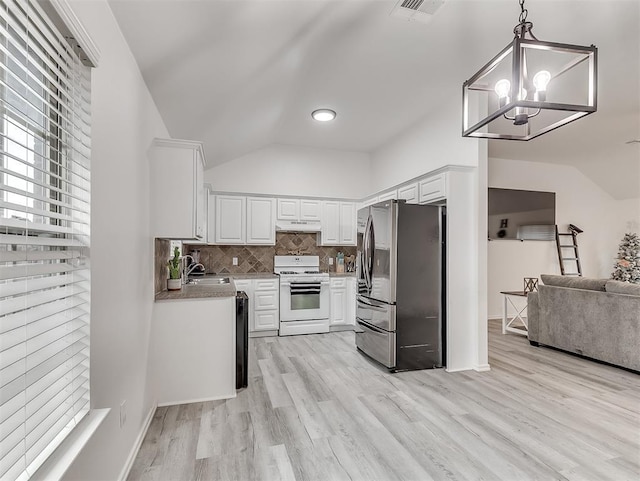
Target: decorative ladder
{"x":573,"y":257}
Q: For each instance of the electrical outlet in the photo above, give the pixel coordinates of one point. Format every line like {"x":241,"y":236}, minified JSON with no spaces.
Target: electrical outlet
{"x":235,"y":261}
{"x":123,"y":413}
{"x":330,"y":261}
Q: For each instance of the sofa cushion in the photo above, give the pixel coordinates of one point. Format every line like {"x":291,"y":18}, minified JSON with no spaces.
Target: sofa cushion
{"x":619,"y":287}
{"x":574,"y":282}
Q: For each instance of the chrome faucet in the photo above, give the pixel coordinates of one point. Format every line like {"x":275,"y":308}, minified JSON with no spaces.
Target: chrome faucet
{"x":188,"y":269}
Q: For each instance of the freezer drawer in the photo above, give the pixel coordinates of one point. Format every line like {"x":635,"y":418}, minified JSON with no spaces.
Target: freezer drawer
{"x":376,"y":343}
{"x":378,"y":314}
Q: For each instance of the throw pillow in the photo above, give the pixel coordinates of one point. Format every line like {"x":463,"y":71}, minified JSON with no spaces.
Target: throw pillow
{"x":574,"y":282}
{"x":619,"y":287}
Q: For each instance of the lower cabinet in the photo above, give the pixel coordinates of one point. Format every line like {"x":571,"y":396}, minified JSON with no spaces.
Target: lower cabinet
{"x":264,"y":302}
{"x":343,"y":301}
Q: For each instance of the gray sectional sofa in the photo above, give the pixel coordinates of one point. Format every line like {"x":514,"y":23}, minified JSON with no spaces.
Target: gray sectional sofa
{"x":596,"y":318}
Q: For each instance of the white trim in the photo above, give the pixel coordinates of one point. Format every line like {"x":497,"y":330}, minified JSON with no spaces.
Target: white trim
{"x":342,"y":327}
{"x":80,"y":35}
{"x":190,"y":401}
{"x":56,"y":465}
{"x":459,"y":369}
{"x":271,"y":333}
{"x":182,"y":144}
{"x":482,"y":368}
{"x":126,"y":469}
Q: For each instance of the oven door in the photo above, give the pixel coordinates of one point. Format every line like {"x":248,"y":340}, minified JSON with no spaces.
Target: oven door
{"x":304,"y":300}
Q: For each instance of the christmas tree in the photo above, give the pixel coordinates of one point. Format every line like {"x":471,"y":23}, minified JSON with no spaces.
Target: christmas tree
{"x":627,"y":267}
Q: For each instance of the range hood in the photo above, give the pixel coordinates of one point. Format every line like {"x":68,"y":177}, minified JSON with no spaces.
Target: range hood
{"x":297,"y":226}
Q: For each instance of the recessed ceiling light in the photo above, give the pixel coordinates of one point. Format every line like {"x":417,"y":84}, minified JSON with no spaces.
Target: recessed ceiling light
{"x":323,"y":115}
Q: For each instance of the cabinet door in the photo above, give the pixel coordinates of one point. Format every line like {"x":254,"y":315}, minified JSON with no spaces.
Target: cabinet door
{"x":330,"y":233}
{"x":310,"y":210}
{"x":347,"y":223}
{"x":288,"y":209}
{"x":230,"y":219}
{"x":433,"y":188}
{"x":201,"y":197}
{"x":266,"y":300}
{"x":266,"y":320}
{"x":176,"y":184}
{"x":261,"y":222}
{"x":338,"y":305}
{"x":351,"y":301}
{"x":246,"y":285}
{"x":211,"y":218}
{"x":393,"y":194}
{"x":409,"y":193}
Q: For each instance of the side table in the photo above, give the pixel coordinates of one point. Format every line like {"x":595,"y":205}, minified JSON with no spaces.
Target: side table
{"x":507,"y":323}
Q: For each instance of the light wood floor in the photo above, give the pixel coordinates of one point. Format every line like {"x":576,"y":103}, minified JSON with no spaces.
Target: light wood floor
{"x":316,"y":409}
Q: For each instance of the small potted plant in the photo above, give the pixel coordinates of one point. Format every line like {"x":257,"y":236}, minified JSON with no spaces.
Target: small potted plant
{"x":174,"y":283}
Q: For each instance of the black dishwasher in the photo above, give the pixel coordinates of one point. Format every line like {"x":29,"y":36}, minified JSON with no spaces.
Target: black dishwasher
{"x":242,"y":340}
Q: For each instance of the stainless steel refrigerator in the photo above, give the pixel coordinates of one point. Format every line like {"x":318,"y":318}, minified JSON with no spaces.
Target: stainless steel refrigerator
{"x":400,"y":268}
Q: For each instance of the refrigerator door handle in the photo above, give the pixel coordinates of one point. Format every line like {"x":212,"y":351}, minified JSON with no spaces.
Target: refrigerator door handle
{"x":371,"y":327}
{"x":365,"y":254}
{"x":382,"y":308}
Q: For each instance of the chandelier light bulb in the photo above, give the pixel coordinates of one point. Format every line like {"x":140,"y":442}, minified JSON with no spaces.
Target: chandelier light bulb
{"x":502,"y":88}
{"x":541,"y":80}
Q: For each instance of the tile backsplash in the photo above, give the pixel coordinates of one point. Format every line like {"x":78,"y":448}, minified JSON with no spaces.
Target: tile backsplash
{"x":162,"y":253}
{"x":218,"y":259}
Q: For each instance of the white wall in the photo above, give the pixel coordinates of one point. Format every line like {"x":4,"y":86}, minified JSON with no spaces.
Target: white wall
{"x":432,"y":143}
{"x":124,"y":121}
{"x":291,"y":170}
{"x":579,"y":201}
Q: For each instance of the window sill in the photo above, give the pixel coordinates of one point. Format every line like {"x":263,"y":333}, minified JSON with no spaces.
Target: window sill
{"x":54,"y":468}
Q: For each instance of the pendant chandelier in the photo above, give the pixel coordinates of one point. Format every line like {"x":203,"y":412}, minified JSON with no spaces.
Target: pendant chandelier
{"x":530,"y":88}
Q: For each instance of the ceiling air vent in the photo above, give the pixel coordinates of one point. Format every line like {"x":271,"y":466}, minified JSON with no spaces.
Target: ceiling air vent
{"x":416,"y":10}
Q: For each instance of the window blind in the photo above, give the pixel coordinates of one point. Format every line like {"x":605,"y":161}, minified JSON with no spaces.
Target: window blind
{"x":44,"y":237}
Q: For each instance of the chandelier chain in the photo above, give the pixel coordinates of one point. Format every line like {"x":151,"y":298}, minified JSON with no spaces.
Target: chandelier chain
{"x":523,"y":13}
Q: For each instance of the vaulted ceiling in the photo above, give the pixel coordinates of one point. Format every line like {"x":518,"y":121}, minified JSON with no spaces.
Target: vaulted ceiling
{"x":240,"y":75}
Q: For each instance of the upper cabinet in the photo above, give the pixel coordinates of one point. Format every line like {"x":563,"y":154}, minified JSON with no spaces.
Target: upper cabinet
{"x":230,"y":219}
{"x":338,"y":223}
{"x":409,"y":193}
{"x":177,"y":190}
{"x":392,"y":194}
{"x":205,"y":201}
{"x":299,"y":210}
{"x":433,"y":188}
{"x":243,"y":220}
{"x":261,"y":220}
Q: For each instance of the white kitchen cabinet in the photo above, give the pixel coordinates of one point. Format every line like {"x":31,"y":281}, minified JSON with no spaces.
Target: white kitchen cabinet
{"x":351,"y":300}
{"x":433,"y":188}
{"x":207,"y":228}
{"x":261,"y":220}
{"x":392,"y":194}
{"x":338,"y":223}
{"x":347,"y":234}
{"x":230,"y":219}
{"x":211,"y":218}
{"x":338,"y":306}
{"x":308,"y":210}
{"x":177,"y":190}
{"x":288,"y":209}
{"x":330,"y":233}
{"x":410,"y":193}
{"x":265,"y":317}
{"x":343,"y":301}
{"x":367,"y":202}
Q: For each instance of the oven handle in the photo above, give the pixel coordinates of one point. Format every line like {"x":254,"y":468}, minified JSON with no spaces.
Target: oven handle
{"x":305,"y":291}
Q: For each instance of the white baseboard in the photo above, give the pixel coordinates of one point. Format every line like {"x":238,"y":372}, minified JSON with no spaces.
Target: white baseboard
{"x":345,"y":327}
{"x":202,"y":400}
{"x":263,"y":333}
{"x":136,"y":446}
{"x":482,"y":368}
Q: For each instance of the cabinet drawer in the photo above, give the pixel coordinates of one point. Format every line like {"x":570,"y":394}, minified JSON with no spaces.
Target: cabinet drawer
{"x":265,"y":320}
{"x":266,"y":284}
{"x":433,"y":188}
{"x":337,"y":283}
{"x":265,"y":300}
{"x":242,"y":284}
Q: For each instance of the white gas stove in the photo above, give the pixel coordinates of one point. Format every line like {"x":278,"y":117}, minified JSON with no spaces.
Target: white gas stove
{"x":304,"y":295}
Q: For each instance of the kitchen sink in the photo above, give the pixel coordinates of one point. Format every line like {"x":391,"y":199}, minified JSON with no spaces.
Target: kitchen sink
{"x":208,"y":281}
